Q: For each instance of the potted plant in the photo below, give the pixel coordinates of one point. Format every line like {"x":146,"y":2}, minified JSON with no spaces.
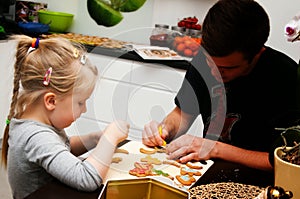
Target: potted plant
{"x":287,"y":161}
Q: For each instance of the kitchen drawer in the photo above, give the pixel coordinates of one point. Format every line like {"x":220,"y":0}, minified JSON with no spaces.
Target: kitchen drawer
{"x":108,"y":101}
{"x":85,"y":125}
{"x":157,"y":76}
{"x":146,"y":104}
{"x":112,"y":67}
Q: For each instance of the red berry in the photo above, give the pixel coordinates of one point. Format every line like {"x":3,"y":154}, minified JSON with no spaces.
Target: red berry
{"x":198,"y":27}
{"x":181,"y":24}
{"x":188,"y":25}
{"x":195,"y":19}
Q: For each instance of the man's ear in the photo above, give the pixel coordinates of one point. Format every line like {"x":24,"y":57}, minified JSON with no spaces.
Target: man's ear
{"x":50,"y":101}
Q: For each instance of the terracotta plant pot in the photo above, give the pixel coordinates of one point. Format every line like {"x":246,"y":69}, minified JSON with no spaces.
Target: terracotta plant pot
{"x":287,"y":175}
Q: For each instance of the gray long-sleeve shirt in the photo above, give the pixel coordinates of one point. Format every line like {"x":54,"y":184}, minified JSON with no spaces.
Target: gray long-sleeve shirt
{"x":38,"y":153}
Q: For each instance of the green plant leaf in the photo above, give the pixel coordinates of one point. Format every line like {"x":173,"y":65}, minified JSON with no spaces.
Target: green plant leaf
{"x":291,"y":136}
{"x":103,"y":14}
{"x":131,"y":5}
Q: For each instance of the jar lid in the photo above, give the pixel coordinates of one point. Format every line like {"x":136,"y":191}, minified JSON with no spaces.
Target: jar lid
{"x":193,"y":32}
{"x":177,"y":28}
{"x":162,"y":26}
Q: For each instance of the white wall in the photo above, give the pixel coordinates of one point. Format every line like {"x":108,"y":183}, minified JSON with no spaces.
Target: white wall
{"x":171,"y":11}
{"x":7,"y":57}
{"x":281,"y":12}
{"x":137,"y":26}
{"x":132,"y":28}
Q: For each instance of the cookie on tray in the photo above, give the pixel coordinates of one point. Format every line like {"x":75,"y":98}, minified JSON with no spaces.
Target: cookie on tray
{"x":151,"y":160}
{"x":185,"y":179}
{"x":141,"y":169}
{"x":189,"y":171}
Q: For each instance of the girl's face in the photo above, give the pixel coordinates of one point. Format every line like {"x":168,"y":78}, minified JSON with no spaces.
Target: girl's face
{"x":69,"y":108}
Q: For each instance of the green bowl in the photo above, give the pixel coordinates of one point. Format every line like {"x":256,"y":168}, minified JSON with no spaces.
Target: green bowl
{"x":58,"y":21}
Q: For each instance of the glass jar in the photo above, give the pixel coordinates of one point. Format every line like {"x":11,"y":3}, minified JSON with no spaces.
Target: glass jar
{"x":177,"y":31}
{"x":174,"y":33}
{"x":193,"y":33}
{"x":159,"y":35}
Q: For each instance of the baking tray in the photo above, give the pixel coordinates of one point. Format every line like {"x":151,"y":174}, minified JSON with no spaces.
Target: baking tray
{"x":145,"y":188}
{"x":121,"y":170}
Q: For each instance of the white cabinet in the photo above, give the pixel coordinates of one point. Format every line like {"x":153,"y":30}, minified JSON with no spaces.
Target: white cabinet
{"x":146,"y":104}
{"x":109,"y":101}
{"x":111,"y":67}
{"x":85,"y":125}
{"x":129,"y":90}
{"x":157,"y":76}
{"x":152,"y":93}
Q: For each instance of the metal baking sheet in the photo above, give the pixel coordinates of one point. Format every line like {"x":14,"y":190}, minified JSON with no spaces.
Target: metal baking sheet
{"x":121,"y":170}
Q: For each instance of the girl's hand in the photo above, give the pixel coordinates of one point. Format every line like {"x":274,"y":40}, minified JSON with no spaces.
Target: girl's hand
{"x":117,"y":131}
{"x":152,"y":136}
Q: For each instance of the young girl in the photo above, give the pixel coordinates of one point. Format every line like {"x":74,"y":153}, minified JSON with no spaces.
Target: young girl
{"x":52,"y":81}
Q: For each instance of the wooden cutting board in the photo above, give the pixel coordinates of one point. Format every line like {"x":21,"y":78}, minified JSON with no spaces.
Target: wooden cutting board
{"x":121,"y":170}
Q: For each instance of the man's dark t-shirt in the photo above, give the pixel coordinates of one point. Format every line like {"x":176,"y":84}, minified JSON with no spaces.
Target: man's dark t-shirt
{"x":255,"y":104}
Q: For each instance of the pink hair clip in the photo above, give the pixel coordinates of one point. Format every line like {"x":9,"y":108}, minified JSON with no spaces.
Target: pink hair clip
{"x":47,"y":76}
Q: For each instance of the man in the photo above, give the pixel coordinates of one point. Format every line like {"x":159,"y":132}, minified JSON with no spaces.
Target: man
{"x":242,"y":89}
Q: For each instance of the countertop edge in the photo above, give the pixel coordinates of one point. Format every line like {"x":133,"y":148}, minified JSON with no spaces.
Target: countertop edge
{"x":131,"y":55}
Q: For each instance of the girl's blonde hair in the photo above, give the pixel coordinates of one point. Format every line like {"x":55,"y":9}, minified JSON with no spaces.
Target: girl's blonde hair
{"x":71,"y":70}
